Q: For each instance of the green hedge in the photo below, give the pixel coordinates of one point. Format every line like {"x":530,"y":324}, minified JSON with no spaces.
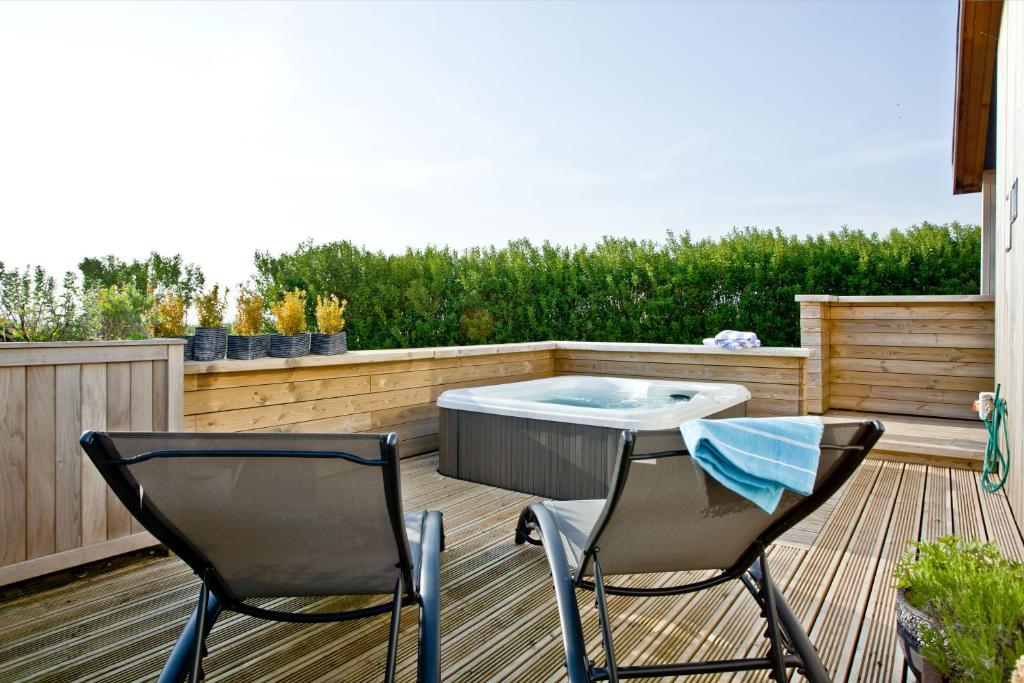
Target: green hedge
{"x":675,"y":291}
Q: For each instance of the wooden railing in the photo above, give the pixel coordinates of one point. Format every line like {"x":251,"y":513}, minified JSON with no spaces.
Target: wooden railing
{"x":55,"y":509}
{"x":905,"y":355}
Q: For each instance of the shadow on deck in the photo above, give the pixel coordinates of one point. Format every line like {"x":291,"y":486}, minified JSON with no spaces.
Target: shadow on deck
{"x":498,"y":616}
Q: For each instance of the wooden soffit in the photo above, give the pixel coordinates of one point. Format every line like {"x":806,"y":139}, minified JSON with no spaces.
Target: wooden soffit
{"x":977,"y":37}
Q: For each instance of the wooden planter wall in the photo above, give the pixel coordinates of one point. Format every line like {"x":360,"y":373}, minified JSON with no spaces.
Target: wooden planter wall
{"x":55,"y":509}
{"x":365,"y":391}
{"x":907,"y":355}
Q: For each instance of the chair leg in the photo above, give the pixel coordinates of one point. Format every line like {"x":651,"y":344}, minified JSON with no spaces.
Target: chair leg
{"x":177,"y":668}
{"x":576,"y":664}
{"x":396,"y":618}
{"x":432,"y":543}
{"x":776,"y":653}
{"x":606,"y":627}
{"x":200,"y":632}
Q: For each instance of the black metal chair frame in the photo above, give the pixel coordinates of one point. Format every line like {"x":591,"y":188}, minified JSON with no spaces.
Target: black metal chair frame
{"x":185,"y":661}
{"x":788,"y":644}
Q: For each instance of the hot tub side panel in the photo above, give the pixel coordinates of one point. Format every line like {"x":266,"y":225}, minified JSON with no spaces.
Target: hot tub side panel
{"x":553,"y":459}
{"x":557,"y":460}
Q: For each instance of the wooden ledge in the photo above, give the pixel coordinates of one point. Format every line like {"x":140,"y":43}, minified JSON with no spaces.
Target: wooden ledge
{"x":899,"y":299}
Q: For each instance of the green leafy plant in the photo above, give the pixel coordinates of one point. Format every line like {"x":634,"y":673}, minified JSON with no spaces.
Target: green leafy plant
{"x":122,"y":312}
{"x":675,"y":290}
{"x":290,"y":313}
{"x":167,"y":318}
{"x":476,"y":324}
{"x":32,"y":308}
{"x":211,"y":306}
{"x":330,"y":314}
{"x":977,"y":596}
{"x":249,"y":313}
{"x":155,"y":273}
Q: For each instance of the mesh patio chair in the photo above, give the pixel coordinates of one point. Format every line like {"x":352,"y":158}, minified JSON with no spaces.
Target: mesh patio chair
{"x":664,"y":514}
{"x":281,"y":515}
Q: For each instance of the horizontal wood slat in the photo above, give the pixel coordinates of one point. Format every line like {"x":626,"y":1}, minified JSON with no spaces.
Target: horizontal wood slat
{"x":927,"y":357}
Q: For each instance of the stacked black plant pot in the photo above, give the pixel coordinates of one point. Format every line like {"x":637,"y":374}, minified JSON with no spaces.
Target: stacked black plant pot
{"x":289,"y":346}
{"x":329,"y":344}
{"x":210,"y":343}
{"x":248,"y":347}
{"x":190,"y":345}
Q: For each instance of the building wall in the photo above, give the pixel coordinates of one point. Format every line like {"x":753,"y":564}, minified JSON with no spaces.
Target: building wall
{"x":1009,"y":265}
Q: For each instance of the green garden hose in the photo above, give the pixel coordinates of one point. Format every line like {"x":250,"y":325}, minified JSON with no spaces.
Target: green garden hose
{"x":996,"y":466}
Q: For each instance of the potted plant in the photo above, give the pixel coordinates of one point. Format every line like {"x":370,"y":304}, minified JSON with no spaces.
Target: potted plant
{"x":246,"y":342}
{"x":292,"y":339}
{"x":330,"y":320}
{"x":960,"y":611}
{"x":167,"y":320}
{"x":211,"y":336}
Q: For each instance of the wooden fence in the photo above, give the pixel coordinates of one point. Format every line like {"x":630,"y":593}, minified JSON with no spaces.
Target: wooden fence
{"x":55,"y":509}
{"x":907,"y":355}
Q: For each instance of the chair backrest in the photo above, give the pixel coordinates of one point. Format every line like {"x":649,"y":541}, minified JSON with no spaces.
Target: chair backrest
{"x":267,"y":514}
{"x":665,"y":514}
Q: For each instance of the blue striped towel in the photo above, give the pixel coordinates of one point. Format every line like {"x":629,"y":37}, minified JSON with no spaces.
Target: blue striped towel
{"x":758,"y":457}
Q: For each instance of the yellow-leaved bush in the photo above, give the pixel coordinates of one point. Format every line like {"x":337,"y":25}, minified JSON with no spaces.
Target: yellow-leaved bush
{"x":249,"y":313}
{"x":330,"y":314}
{"x":290,"y":313}
{"x":211,"y":306}
{"x":167,"y":318}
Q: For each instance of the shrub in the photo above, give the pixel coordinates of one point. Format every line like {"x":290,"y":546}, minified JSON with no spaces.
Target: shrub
{"x":978,"y":596}
{"x":290,"y":313}
{"x":167,"y":319}
{"x":211,"y":306}
{"x":163,"y":273}
{"x":330,"y":314}
{"x":675,"y":291}
{"x":476,"y":324}
{"x":122,"y":312}
{"x":32,"y":308}
{"x":249,"y":314}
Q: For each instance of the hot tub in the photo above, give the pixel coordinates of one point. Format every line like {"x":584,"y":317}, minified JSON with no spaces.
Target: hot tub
{"x":558,"y":437}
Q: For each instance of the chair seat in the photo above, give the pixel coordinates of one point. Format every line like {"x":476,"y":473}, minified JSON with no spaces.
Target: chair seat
{"x":575,"y":520}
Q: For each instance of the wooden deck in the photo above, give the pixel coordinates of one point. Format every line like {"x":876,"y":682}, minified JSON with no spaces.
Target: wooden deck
{"x":498,"y":616}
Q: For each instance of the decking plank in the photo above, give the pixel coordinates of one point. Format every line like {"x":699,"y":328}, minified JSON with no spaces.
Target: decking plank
{"x":499,"y":621}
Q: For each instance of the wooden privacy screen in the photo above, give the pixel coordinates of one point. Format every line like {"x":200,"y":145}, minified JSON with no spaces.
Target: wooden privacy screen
{"x":367,"y":391}
{"x":55,"y":509}
{"x":907,"y":355}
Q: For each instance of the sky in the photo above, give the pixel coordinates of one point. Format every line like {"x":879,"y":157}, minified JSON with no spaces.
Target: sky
{"x":216,"y":130}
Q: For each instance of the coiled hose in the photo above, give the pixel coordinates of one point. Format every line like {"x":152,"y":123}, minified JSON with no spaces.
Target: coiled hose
{"x":996,"y":466}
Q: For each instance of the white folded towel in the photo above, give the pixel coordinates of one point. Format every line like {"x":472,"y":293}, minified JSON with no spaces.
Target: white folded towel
{"x":731,"y":339}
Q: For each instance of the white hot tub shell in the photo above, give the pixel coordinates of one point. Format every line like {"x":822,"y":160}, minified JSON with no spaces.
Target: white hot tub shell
{"x":558,"y":437}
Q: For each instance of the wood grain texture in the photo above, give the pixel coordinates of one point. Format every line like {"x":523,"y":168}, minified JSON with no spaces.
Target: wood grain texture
{"x":94,"y":489}
{"x":41,"y":456}
{"x":927,"y":358}
{"x":68,"y":474}
{"x":13,"y":465}
{"x":499,"y":621}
